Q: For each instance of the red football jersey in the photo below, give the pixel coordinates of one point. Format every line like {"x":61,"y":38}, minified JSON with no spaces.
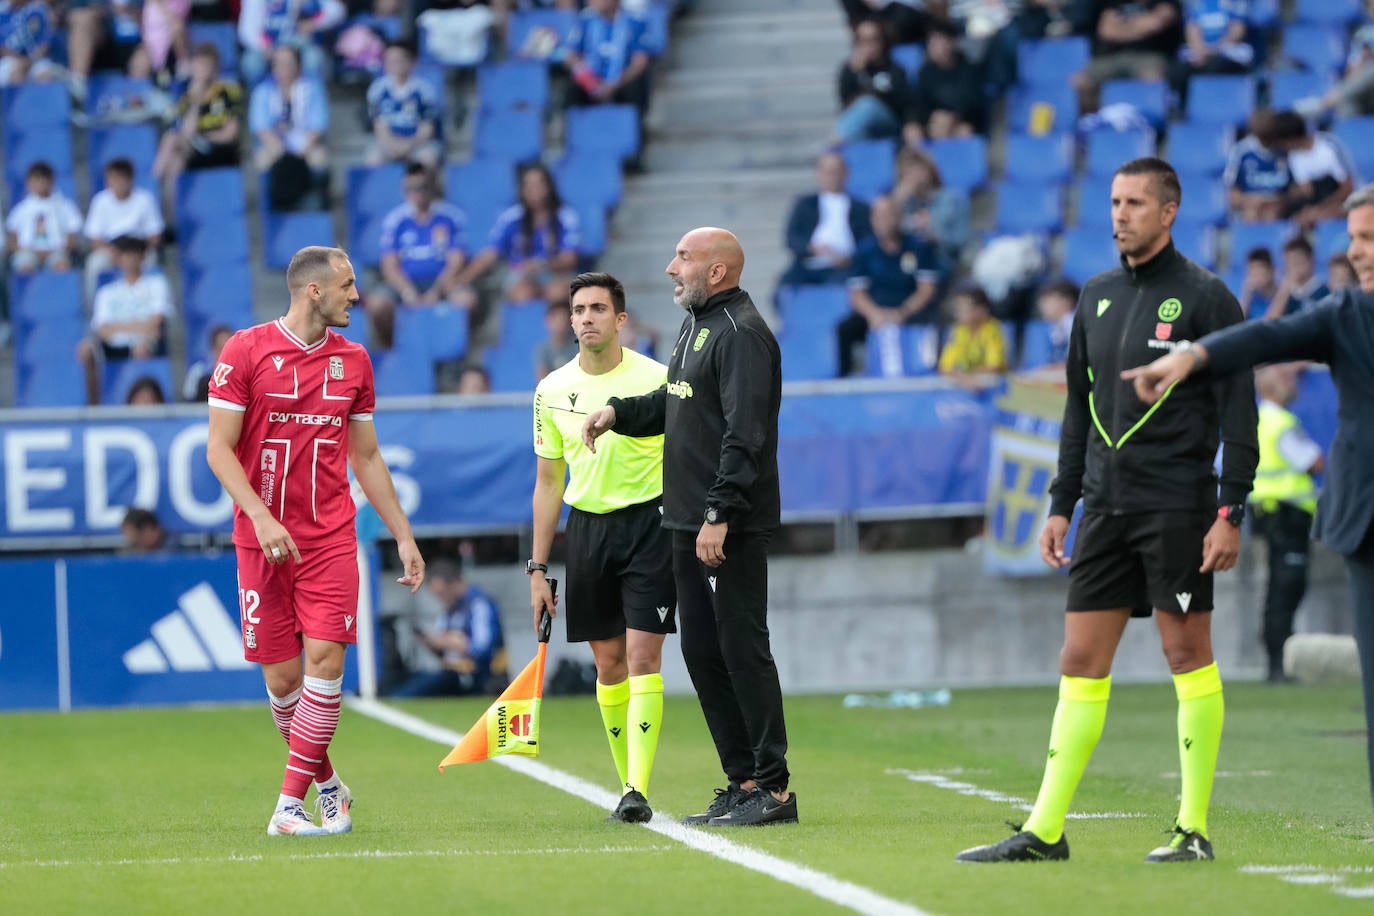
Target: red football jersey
{"x":298,"y":400}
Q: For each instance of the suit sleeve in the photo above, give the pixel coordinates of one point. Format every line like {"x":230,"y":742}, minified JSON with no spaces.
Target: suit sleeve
{"x":798,"y":234}
{"x":1304,"y":335}
{"x":1235,"y":397}
{"x":744,"y":368}
{"x":1067,"y":485}
{"x":641,"y":416}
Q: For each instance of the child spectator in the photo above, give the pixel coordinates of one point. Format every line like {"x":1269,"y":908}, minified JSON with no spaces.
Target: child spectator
{"x":1301,"y":287}
{"x":976,"y":344}
{"x":1260,"y":285}
{"x":129,"y":315}
{"x":1257,"y":173}
{"x":1057,"y":304}
{"x":560,"y":347}
{"x":197,"y":385}
{"x":145,"y":392}
{"x":404,"y":111}
{"x":119,"y":209}
{"x":1322,"y":170}
{"x":209,"y":118}
{"x":41,"y":229}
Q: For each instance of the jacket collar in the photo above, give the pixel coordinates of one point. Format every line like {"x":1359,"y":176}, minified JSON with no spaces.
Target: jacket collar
{"x":718,"y":301}
{"x":1144,"y":271}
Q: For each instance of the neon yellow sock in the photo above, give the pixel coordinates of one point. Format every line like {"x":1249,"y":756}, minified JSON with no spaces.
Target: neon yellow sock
{"x":645,"y":722}
{"x":1077,"y":726}
{"x":614,"y":700}
{"x":1200,"y":713}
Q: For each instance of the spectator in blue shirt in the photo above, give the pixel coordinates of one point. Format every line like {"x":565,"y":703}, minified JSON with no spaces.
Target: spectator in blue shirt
{"x":288,"y":114}
{"x":1257,"y":175}
{"x":1260,"y":284}
{"x":423,"y":244}
{"x":467,"y":638}
{"x":893,"y":280}
{"x":1214,"y":42}
{"x":1302,"y":287}
{"x":27,"y":32}
{"x":606,"y":56}
{"x":537,"y":240}
{"x":404,"y":110}
{"x":265,"y":25}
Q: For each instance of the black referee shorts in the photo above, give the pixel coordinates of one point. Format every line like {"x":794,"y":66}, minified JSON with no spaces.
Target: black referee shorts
{"x":620,"y":573}
{"x":1140,"y":561}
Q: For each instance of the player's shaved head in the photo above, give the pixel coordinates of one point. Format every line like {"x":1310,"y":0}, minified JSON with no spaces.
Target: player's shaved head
{"x":718,"y":246}
{"x":313,"y":264}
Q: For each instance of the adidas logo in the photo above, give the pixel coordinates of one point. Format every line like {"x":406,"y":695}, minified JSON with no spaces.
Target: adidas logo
{"x":1184,"y":599}
{"x":201,"y":635}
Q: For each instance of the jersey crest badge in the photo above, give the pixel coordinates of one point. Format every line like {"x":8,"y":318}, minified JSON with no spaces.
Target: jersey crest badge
{"x":701,"y":340}
{"x":1170,"y":309}
{"x":221,"y":374}
{"x":336,"y":367}
{"x":1163,"y":330}
{"x":1102,"y":306}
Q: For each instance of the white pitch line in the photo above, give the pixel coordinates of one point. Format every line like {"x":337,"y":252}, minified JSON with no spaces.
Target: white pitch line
{"x":940,"y":781}
{"x":1300,"y":869}
{"x":347,"y":854}
{"x":827,"y":887}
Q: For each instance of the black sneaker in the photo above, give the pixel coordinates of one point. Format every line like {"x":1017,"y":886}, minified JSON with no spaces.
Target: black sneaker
{"x":725,"y":800}
{"x":1183,"y":846}
{"x":633,"y":809}
{"x":757,"y":808}
{"x":1021,"y":846}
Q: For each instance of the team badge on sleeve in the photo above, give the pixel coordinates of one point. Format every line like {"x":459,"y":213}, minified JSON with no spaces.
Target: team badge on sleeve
{"x":336,"y":367}
{"x":221,"y":374}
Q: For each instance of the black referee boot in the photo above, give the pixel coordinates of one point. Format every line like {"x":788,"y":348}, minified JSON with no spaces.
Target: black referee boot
{"x":1183,"y":846}
{"x":1021,"y":846}
{"x":633,"y":809}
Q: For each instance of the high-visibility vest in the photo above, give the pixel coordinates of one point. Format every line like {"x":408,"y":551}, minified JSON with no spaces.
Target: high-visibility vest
{"x":1277,"y":481}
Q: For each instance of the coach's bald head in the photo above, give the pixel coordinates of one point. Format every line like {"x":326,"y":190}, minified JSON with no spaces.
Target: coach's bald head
{"x":707,"y":261}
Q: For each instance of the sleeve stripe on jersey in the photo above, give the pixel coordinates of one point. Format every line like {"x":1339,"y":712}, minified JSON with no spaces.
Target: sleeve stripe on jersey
{"x":362,"y":417}
{"x":227,"y":405}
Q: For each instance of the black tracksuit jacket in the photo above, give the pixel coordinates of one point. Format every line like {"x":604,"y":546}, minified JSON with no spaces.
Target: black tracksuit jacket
{"x":1122,"y":455}
{"x":718,"y":414}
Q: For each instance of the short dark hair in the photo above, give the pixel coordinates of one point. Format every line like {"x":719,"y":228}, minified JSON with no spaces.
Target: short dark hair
{"x":206,"y":49}
{"x":975,"y":294}
{"x":600,"y":280}
{"x":218,"y":330}
{"x":1259,"y":255}
{"x":311,"y":264}
{"x":943,"y":27}
{"x":146,"y":383}
{"x":141,"y":518}
{"x":446,"y":568}
{"x":1288,"y":125}
{"x":405,"y":45}
{"x":40,"y":169}
{"x":1298,"y":243}
{"x":414,"y":168}
{"x":1066,"y":288}
{"x":1163,"y":178}
{"x":129,"y":244}
{"x":121,"y":166}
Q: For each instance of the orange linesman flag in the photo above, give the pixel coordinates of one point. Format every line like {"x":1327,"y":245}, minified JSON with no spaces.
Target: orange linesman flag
{"x":511,"y":724}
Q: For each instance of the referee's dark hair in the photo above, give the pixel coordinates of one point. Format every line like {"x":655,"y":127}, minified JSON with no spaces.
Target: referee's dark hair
{"x":1164,"y":180}
{"x":600,"y":281}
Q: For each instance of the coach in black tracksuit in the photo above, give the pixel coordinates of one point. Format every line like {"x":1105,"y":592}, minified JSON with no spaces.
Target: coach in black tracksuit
{"x":718,"y":414}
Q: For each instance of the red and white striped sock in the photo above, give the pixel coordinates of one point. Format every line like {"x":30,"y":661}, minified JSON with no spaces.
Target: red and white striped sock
{"x":283,"y":708}
{"x":312,"y":728}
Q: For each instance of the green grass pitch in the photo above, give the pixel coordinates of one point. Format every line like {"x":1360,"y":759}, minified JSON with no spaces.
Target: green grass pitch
{"x":164,"y":811}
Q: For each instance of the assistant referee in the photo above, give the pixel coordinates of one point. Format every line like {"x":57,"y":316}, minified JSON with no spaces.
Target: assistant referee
{"x":1155,"y":524}
{"x":620,"y":593}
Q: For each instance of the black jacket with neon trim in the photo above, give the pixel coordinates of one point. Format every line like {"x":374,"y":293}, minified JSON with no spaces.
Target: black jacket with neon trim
{"x":1122,"y":455}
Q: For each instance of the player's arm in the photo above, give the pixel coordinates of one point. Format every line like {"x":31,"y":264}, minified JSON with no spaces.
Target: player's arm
{"x":365,"y":457}
{"x":1067,"y":485}
{"x":549,"y":477}
{"x":225,"y":427}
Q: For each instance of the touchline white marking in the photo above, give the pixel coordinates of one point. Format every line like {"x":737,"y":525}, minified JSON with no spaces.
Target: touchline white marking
{"x":941,"y":781}
{"x":349,"y":854}
{"x":827,"y":887}
{"x":1332,"y":877}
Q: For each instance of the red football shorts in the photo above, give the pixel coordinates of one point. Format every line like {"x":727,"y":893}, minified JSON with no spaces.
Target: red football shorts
{"x":317,"y":597}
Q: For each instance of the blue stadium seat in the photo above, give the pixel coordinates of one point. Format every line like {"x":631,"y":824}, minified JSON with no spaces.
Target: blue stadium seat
{"x":35,"y":106}
{"x":51,"y":383}
{"x":1030,"y":207}
{"x":51,"y":340}
{"x":1220,"y":99}
{"x":1317,"y":47}
{"x":1048,"y":158}
{"x":1107,"y":149}
{"x":481,"y":188}
{"x":514,"y":135}
{"x":511,"y":362}
{"x":1358,"y":136}
{"x":1061,"y":98}
{"x":223,"y":37}
{"x":373,"y":190}
{"x":440,"y":332}
{"x":611,"y":130}
{"x":1245,"y":236}
{"x":522,"y":323}
{"x":210,"y":195}
{"x":591,"y":230}
{"x":1094,"y":206}
{"x":872,"y":166}
{"x":537,"y":32}
{"x":812,"y":309}
{"x":45,"y":296}
{"x":910,"y":57}
{"x":365,"y":240}
{"x":1336,"y":13}
{"x":399,"y":374}
{"x":1087,"y":252}
{"x":1204,"y":200}
{"x":207,"y":244}
{"x":1200,"y":149}
{"x":121,"y":374}
{"x":1149,"y":97}
{"x":1329,"y":239}
{"x":1051,"y":61}
{"x":135,"y":142}
{"x":809,"y":357}
{"x":1037,"y":347}
{"x":656,"y":27}
{"x":52,"y":145}
{"x":584,"y":178}
{"x":1288,"y":86}
{"x":513,"y":84}
{"x":359,"y":328}
{"x":1197,"y":241}
{"x":286,"y":233}
{"x":198,"y":329}
{"x":220,"y":288}
{"x":963,"y":162}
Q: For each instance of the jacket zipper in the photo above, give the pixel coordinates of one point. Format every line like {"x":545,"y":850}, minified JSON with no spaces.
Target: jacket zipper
{"x":1116,"y":395}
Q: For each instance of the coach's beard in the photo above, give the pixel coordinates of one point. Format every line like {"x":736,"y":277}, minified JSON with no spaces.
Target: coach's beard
{"x":690,"y":297}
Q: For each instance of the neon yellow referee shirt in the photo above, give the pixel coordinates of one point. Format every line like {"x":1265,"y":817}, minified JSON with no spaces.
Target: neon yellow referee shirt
{"x":624,"y":471}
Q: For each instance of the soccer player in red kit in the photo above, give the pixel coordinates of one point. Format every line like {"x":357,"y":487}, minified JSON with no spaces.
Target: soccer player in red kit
{"x":290,"y":409}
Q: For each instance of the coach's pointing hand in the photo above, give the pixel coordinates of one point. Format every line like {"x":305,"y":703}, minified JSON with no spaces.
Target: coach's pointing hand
{"x":598,"y":422}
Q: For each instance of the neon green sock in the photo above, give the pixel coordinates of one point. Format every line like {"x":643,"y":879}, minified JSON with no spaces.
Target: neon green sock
{"x":614,"y":700}
{"x":1200,"y":713}
{"x":1077,"y":726}
{"x":646,"y":720}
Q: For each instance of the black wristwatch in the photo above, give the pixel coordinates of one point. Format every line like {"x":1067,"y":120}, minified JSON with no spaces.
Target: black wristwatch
{"x":532,"y":567}
{"x":715,"y":515}
{"x":1234,"y":513}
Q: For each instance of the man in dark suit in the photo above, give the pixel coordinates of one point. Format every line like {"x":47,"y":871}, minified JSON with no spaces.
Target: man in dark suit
{"x":1340,"y":332}
{"x":824,"y":228}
